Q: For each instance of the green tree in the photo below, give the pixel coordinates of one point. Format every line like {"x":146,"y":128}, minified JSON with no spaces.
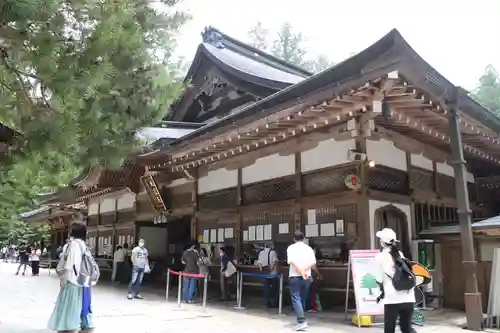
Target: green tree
{"x":368,"y":282}
{"x":80,"y":77}
{"x":20,"y":184}
{"x":288,"y":45}
{"x":488,"y":91}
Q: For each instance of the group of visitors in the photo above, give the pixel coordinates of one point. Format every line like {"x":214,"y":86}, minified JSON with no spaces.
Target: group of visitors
{"x":29,"y":255}
{"x":78,"y":272}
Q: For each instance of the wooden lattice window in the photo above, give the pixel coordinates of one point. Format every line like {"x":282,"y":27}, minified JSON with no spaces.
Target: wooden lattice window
{"x":446,"y":186}
{"x":92,"y":220}
{"x":107,"y":219}
{"x":181,"y":200}
{"x":273,"y":190}
{"x":421,"y":179}
{"x":332,"y":180}
{"x":218,"y":200}
{"x":387,"y":179}
{"x":125,"y":216}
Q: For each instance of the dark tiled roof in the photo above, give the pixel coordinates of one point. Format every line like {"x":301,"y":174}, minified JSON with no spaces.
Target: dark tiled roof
{"x":251,"y":66}
{"x":390,"y":53}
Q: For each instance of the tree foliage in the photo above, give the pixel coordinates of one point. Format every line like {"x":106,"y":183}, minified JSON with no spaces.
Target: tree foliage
{"x":19,"y":186}
{"x":488,"y":91}
{"x":287,"y":45}
{"x":79,"y":77}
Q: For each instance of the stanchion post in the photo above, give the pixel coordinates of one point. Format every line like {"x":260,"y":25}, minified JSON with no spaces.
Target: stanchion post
{"x":280,"y":301}
{"x":205,"y":284}
{"x":168,"y":284}
{"x":239,"y":291}
{"x":179,"y":291}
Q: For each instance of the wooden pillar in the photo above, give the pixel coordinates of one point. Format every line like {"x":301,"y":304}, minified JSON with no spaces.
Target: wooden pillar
{"x":239,"y":223}
{"x":435,"y":178}
{"x":297,"y":223}
{"x":363,"y":209}
{"x":473,"y":304}
{"x":115,"y":219}
{"x":97,"y":229}
{"x":413,"y":231}
{"x":194,"y":202}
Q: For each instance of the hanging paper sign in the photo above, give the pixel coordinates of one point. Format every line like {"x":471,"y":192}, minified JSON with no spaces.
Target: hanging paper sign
{"x":153,"y":193}
{"x":363,"y":264}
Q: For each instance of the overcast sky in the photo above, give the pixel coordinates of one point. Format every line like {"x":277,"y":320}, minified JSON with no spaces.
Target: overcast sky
{"x":458,"y":38}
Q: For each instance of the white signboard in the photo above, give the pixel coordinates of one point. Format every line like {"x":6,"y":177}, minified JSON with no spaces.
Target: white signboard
{"x":362,"y":264}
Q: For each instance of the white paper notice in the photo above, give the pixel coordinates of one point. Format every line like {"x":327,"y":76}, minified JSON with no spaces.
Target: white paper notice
{"x":220,"y":235}
{"x":251,"y":233}
{"x":228,"y":233}
{"x":283,"y":228}
{"x":339,"y":227}
{"x":245,"y":235}
{"x":268,"y":232}
{"x":311,"y":216}
{"x":206,"y":236}
{"x":312,"y":230}
{"x":327,"y":229}
{"x":213,"y":236}
{"x":259,"y":233}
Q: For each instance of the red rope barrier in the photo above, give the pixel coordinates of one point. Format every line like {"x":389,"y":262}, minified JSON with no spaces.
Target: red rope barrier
{"x":198,"y":276}
{"x":174,"y":272}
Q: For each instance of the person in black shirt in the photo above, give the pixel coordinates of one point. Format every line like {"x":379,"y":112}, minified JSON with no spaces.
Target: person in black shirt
{"x":24,"y":255}
{"x":190,"y":258}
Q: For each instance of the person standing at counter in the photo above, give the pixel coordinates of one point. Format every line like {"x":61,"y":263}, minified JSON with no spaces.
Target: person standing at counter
{"x":268,"y":263}
{"x":118,"y":264}
{"x":301,"y":259}
{"x":191,"y":259}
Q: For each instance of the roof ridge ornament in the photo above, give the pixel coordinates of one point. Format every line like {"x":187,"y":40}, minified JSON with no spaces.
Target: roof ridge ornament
{"x":211,"y":36}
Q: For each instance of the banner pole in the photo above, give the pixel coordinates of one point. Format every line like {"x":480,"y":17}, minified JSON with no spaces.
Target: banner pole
{"x":347,"y":286}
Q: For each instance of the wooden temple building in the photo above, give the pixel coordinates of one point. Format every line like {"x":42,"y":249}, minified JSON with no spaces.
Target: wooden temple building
{"x":268,"y":149}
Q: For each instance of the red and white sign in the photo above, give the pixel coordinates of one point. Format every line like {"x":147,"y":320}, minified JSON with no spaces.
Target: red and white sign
{"x":362,"y":265}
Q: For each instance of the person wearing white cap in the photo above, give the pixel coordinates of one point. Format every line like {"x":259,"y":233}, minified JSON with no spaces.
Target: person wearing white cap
{"x":397,"y":283}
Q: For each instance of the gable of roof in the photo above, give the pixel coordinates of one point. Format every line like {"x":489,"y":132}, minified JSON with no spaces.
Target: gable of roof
{"x":391,"y":52}
{"x":242,"y":65}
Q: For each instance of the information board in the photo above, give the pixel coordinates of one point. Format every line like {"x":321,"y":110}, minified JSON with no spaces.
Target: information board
{"x":362,"y":264}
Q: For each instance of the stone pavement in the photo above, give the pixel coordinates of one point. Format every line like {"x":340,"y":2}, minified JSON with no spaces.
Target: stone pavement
{"x":27,"y":302}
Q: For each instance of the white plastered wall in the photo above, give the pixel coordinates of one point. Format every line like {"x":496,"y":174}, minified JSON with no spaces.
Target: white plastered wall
{"x":376,"y":204}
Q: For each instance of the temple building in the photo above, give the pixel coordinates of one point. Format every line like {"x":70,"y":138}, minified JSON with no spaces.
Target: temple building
{"x":269,"y":148}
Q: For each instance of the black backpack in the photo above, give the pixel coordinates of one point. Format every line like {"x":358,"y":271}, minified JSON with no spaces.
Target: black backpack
{"x":403,"y":278}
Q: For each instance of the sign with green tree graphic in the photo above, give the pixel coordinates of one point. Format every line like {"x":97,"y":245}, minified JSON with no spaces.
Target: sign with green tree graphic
{"x":368,"y":282}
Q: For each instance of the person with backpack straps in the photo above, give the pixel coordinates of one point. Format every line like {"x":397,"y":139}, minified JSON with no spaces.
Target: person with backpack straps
{"x":78,"y":272}
{"x":397,"y":283}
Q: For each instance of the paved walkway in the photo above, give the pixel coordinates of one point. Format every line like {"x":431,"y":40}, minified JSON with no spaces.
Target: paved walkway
{"x":27,"y":302}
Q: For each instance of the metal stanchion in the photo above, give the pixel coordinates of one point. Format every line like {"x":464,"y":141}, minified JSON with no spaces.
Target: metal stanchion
{"x":179,"y":293}
{"x":205,"y":288}
{"x":280,"y":301}
{"x":167,"y":288}
{"x":239,"y":292}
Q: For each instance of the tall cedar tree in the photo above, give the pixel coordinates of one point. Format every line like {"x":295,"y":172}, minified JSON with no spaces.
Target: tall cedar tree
{"x":288,"y":45}
{"x":488,"y":91}
{"x":81,"y":76}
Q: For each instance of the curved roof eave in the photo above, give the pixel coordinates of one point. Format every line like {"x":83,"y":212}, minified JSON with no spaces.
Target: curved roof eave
{"x":390,"y":50}
{"x":254,"y":79}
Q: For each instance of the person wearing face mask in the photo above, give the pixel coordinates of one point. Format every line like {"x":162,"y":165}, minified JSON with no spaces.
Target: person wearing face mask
{"x":396,"y":282}
{"x":139,"y":262}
